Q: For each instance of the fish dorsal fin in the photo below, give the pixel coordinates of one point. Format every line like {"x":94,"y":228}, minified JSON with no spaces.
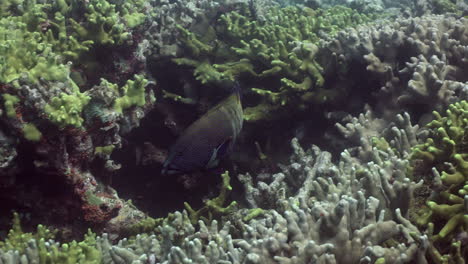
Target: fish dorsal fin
{"x":218,"y":152}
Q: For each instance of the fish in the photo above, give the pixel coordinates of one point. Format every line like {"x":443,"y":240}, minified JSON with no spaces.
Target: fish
{"x":209,"y":139}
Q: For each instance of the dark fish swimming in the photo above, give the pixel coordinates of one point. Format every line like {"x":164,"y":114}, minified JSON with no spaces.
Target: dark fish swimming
{"x":210,"y":138}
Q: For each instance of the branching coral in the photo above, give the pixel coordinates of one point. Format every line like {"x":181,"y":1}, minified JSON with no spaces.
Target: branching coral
{"x":48,"y":101}
{"x":370,"y":176}
{"x":66,"y":109}
{"x":318,"y":212}
{"x":432,"y":49}
{"x":214,"y":206}
{"x":446,"y":213}
{"x":279,"y":53}
{"x":133,"y":94}
{"x":25,"y":53}
{"x":38,"y":247}
{"x":314,"y":210}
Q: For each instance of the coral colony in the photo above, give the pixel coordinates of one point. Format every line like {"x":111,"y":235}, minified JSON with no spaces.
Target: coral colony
{"x":354,"y":147}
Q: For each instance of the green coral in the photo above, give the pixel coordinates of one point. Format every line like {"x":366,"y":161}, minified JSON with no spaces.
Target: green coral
{"x":31,"y":132}
{"x":17,"y":239}
{"x":25,"y":53}
{"x":147,"y":225}
{"x":253,"y":213}
{"x":446,"y":149}
{"x":102,"y":25}
{"x":445,"y":6}
{"x":9,"y":102}
{"x":279,"y":54}
{"x":132,"y":94}
{"x":8,"y":6}
{"x":40,"y":248}
{"x":105,"y":150}
{"x":65,"y":110}
{"x":214,"y":206}
{"x":37,"y":38}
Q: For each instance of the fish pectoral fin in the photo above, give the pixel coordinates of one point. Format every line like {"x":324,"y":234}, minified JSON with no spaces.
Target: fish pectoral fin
{"x":213,"y":162}
{"x":218,"y":152}
{"x":223,"y":148}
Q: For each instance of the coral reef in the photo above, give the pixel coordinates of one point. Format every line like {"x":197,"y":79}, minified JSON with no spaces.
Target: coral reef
{"x":77,"y":78}
{"x":313,"y":211}
{"x":162,"y":38}
{"x":278,"y":53}
{"x":431,"y":48}
{"x":48,"y":95}
{"x":445,"y":212}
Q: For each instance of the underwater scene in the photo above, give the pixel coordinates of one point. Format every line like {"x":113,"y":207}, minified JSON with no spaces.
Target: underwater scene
{"x":233,"y":131}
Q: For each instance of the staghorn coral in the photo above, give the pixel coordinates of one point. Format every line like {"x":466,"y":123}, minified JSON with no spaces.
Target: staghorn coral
{"x":312,"y":211}
{"x":279,"y":53}
{"x":24,"y":53}
{"x":39,"y":247}
{"x":432,"y":48}
{"x":66,"y":109}
{"x":49,"y":103}
{"x":445,"y":214}
{"x":163,"y":39}
{"x":318,"y":212}
{"x":395,"y":7}
{"x":214,"y":206}
{"x":369,"y":175}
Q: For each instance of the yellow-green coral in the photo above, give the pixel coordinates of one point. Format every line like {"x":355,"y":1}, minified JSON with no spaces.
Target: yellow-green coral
{"x":213,"y":206}
{"x":24,"y":53}
{"x":132,"y":94}
{"x":37,"y":39}
{"x":65,"y":110}
{"x":279,"y":53}
{"x":42,"y":249}
{"x":446,"y":149}
{"x":17,"y":239}
{"x":147,"y":225}
{"x":9,"y":102}
{"x":105,"y":150}
{"x":31,"y":132}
